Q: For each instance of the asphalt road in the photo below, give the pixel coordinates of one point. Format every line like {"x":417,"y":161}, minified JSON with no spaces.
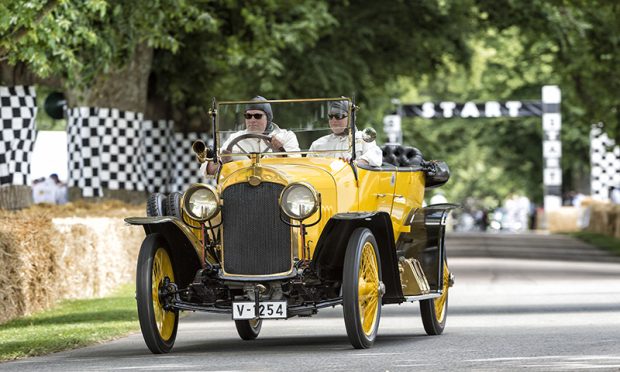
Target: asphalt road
{"x":526,"y":301}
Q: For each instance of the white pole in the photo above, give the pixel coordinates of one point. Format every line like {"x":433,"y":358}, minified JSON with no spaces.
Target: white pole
{"x":552,"y":147}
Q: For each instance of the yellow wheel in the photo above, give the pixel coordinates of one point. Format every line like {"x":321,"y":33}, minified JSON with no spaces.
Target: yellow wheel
{"x":435,"y":311}
{"x":158,"y":325}
{"x":362,"y":289}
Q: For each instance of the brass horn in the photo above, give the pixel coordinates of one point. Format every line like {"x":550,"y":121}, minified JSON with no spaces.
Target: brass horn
{"x":203,"y":153}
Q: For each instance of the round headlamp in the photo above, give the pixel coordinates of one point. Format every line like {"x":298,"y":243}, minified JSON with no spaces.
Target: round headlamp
{"x":299,"y":200}
{"x":201,"y":202}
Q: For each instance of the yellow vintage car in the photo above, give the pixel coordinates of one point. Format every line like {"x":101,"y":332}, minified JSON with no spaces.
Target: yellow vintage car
{"x":284,"y":227}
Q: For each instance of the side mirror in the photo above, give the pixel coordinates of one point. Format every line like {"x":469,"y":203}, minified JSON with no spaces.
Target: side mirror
{"x":369,"y":134}
{"x":203,"y":153}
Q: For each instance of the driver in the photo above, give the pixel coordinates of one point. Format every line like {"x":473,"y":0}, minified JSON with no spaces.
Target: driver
{"x":258,"y":120}
{"x":367,"y":153}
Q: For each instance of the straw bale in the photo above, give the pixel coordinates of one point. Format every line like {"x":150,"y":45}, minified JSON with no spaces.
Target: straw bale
{"x":614,"y":221}
{"x":600,"y":218}
{"x":605,"y":219}
{"x":29,"y":267}
{"x":48,"y":253}
{"x":99,"y":254}
{"x":564,"y":219}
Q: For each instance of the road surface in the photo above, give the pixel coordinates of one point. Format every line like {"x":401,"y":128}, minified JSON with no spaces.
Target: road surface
{"x":521,"y":301}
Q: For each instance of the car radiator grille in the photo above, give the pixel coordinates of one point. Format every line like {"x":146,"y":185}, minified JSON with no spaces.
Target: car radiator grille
{"x":255,"y":241}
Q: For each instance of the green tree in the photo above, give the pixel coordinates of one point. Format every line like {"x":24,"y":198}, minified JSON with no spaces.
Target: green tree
{"x":100,"y":51}
{"x":580,"y":40}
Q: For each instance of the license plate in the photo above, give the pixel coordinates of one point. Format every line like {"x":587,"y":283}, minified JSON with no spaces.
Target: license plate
{"x":266,"y":310}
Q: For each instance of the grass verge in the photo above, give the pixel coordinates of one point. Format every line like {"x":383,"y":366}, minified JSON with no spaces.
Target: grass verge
{"x":70,"y":324}
{"x":606,"y":242}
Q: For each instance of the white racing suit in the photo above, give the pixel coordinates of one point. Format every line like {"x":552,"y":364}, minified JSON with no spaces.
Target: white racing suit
{"x":368,"y":151}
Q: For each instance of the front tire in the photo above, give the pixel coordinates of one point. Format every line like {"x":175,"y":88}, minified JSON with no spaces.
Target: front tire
{"x":248,"y":329}
{"x":362,"y":289}
{"x":435,"y":311}
{"x":159,"y":326}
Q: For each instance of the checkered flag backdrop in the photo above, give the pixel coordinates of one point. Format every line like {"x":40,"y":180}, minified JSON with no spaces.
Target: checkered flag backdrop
{"x":156,"y":150}
{"x":120,"y":150}
{"x":18,"y":110}
{"x":604,"y":163}
{"x":104,"y":150}
{"x":186,"y":169}
{"x":84,"y":149}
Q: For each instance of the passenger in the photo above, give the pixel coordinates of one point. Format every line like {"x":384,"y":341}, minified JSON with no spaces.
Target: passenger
{"x":367,"y":153}
{"x":259,"y":120}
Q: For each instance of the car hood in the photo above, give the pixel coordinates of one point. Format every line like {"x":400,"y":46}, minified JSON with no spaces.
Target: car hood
{"x":327,"y":175}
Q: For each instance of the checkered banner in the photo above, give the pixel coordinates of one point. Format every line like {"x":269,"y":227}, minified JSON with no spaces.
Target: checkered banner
{"x":604,"y":163}
{"x":185,"y":167}
{"x":18,"y":109}
{"x":104,"y":147}
{"x":118,"y":150}
{"x":168,"y":164}
{"x":156,"y":161}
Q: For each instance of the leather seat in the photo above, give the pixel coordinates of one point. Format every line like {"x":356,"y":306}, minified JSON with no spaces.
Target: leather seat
{"x":401,"y":156}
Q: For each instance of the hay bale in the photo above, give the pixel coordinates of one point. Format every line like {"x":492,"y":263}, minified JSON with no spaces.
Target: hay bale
{"x":98,"y":255}
{"x":599,"y":218}
{"x":15,"y":197}
{"x":564,"y":219}
{"x":49,"y":253}
{"x":29,"y":265}
{"x":614,"y":221}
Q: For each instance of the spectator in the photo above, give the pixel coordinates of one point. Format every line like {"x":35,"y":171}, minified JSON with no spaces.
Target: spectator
{"x":438,"y":198}
{"x":614,"y":194}
{"x":43,"y":191}
{"x":60,"y":191}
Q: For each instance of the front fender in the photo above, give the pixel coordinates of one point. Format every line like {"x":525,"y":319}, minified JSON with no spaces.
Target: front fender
{"x":328,"y":259}
{"x":185,"y":248}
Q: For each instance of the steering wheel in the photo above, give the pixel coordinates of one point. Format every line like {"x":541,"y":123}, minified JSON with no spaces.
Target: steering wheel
{"x":235,"y":142}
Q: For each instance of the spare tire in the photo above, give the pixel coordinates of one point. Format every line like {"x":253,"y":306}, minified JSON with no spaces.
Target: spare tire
{"x":156,"y":205}
{"x":173,"y":205}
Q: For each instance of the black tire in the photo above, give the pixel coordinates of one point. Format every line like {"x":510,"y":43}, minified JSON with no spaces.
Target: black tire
{"x":362,"y":315}
{"x":173,"y":205}
{"x":248,"y":329}
{"x":156,"y":205}
{"x":435,"y":311}
{"x":159,"y":327}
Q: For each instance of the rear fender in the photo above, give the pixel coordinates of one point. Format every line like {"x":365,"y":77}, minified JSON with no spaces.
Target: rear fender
{"x":328,"y":259}
{"x":425,"y":241}
{"x":185,"y":248}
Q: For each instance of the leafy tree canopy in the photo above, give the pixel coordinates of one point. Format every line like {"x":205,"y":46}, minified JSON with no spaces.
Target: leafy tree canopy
{"x":411,"y":50}
{"x":79,"y":40}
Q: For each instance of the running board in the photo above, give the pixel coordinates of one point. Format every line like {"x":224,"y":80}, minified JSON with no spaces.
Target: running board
{"x":422,"y":297}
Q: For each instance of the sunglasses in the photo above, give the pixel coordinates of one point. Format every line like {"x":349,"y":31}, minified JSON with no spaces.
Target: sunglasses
{"x":255,"y":116}
{"x":337,"y":116}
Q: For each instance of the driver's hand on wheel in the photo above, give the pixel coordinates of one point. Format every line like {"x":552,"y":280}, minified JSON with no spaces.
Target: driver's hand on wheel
{"x":226,"y":159}
{"x":212,"y":167}
{"x":277,"y":144}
